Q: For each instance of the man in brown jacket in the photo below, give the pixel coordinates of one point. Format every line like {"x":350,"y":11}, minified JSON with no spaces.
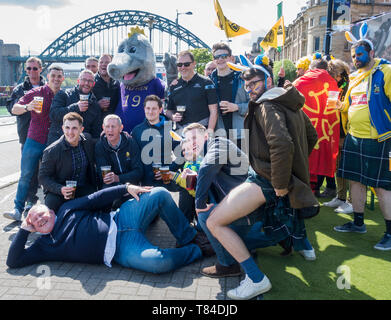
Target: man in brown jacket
{"x":281,"y":138}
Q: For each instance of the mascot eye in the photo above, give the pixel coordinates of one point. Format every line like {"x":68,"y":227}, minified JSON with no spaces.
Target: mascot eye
{"x":120,"y":49}
{"x":132,"y":49}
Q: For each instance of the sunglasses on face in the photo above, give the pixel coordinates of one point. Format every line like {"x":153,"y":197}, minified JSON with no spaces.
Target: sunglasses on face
{"x":33,"y":68}
{"x":223,"y":56}
{"x":184,"y":64}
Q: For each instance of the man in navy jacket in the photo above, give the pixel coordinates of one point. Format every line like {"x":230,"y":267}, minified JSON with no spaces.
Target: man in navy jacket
{"x":81,"y":232}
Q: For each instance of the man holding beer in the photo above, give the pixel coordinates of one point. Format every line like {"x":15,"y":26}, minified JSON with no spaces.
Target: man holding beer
{"x":81,"y":100}
{"x":117,"y":155}
{"x":37,"y":134}
{"x":67,"y":169}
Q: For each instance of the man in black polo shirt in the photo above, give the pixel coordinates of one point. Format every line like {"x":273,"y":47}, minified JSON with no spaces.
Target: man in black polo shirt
{"x":194,"y":91}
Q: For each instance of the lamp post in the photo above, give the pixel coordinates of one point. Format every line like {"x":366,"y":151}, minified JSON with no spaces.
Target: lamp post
{"x":151,"y":21}
{"x":328,"y":29}
{"x":177,"y":27}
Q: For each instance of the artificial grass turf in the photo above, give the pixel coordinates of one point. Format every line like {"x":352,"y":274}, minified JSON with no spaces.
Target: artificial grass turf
{"x":294,"y":278}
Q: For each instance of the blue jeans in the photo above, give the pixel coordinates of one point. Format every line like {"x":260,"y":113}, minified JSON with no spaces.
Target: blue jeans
{"x":133,"y":250}
{"x":251,"y":234}
{"x":32,"y":152}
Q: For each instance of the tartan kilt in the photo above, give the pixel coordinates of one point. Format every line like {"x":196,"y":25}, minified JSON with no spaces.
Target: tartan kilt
{"x":366,"y":161}
{"x":280,"y":221}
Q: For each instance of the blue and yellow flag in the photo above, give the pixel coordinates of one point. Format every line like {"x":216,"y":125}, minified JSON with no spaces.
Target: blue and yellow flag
{"x":231,"y":29}
{"x":275,"y":37}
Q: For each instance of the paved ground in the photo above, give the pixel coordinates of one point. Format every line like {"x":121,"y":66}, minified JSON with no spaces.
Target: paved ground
{"x":81,"y":281}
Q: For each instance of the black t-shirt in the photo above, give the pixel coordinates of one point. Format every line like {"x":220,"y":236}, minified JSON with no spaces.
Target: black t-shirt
{"x":196,"y":94}
{"x":225,"y":94}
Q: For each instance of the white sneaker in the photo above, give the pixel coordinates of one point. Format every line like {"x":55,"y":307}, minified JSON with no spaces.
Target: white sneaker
{"x":334,"y":203}
{"x":248,"y":289}
{"x":308,"y":255}
{"x":346,"y":207}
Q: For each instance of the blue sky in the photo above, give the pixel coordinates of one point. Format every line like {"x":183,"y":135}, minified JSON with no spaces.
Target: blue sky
{"x":34,"y":24}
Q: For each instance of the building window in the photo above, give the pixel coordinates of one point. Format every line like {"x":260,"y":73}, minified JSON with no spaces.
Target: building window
{"x":316,"y":44}
{"x":322,"y":20}
{"x":311,"y":22}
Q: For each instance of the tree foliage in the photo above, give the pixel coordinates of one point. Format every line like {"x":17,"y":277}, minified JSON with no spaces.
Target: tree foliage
{"x":289,"y":67}
{"x":202,"y":56}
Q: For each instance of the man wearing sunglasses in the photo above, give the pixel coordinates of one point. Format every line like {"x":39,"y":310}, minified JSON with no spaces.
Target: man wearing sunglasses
{"x":81,"y":100}
{"x":194,"y":91}
{"x":281,"y":137}
{"x":37,"y":134}
{"x":233,"y":99}
{"x":33,"y":80}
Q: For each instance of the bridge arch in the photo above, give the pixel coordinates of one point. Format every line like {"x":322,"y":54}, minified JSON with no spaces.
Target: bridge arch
{"x":108,"y":20}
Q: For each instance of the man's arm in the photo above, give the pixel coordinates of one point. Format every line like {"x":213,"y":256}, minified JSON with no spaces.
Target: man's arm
{"x":17,"y":93}
{"x":210,"y":167}
{"x":47,"y":172}
{"x":312,"y":135}
{"x":280,"y":143}
{"x":18,"y":256}
{"x":59,"y":107}
{"x":212,"y":117}
{"x":97,"y":200}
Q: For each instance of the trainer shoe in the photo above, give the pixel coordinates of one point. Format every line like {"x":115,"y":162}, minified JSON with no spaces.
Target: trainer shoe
{"x":351,"y":227}
{"x":201,"y":240}
{"x":334,"y":203}
{"x":248,"y":289}
{"x":346,"y":207}
{"x":308,"y":255}
{"x":328,"y":193}
{"x":385,"y":243}
{"x":220,"y":271}
{"x":13,"y":215}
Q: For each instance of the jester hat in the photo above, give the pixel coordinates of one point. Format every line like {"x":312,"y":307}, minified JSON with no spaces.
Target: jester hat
{"x":245,"y":64}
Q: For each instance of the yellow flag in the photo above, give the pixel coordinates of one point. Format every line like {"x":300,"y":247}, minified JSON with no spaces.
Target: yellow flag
{"x":275,"y":37}
{"x":231,"y":29}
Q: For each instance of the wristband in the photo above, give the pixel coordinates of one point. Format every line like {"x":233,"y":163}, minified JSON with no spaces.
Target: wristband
{"x":25,"y":107}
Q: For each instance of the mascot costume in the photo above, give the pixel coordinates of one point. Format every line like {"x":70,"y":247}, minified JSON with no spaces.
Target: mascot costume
{"x":134,"y":67}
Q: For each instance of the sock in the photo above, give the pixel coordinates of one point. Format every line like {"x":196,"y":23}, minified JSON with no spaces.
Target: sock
{"x":359,"y":218}
{"x":250,"y":267}
{"x":388,"y":226}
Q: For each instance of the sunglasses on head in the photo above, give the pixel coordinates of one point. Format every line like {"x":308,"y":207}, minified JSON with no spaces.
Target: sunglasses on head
{"x":34,"y":68}
{"x":223,"y":55}
{"x":180,"y":64}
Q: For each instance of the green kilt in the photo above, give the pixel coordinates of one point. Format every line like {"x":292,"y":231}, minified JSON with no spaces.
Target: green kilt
{"x":280,"y":221}
{"x":366,"y":161}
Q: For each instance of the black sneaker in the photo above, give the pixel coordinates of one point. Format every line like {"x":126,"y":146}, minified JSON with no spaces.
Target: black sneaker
{"x":201,"y":240}
{"x":220,"y":271}
{"x":328,"y":193}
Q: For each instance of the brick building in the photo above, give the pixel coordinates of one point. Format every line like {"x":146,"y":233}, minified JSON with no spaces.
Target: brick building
{"x":306,"y":34}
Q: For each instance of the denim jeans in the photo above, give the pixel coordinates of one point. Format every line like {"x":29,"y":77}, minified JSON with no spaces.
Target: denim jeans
{"x":133,"y":250}
{"x":31,"y":154}
{"x":251,"y":234}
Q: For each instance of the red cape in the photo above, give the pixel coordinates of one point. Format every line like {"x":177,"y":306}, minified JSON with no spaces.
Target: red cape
{"x":314,"y":85}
